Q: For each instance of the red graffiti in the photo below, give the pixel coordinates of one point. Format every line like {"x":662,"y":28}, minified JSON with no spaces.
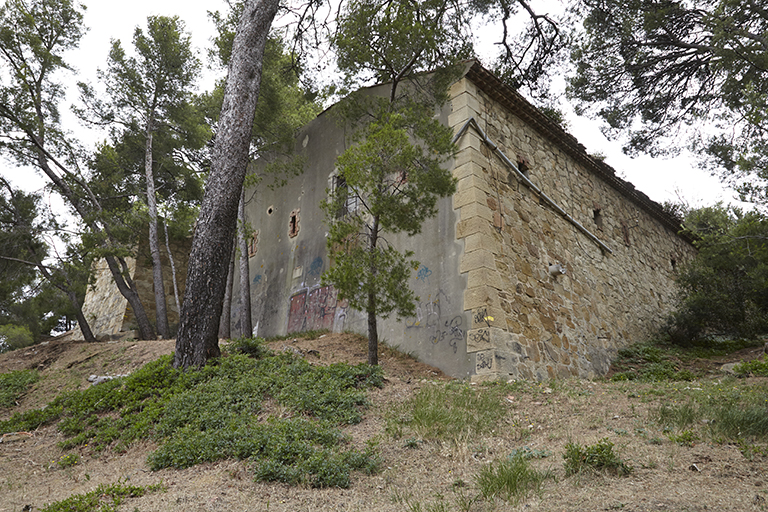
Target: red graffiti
{"x":312,"y":310}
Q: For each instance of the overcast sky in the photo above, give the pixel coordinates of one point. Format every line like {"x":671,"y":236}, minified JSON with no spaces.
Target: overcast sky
{"x":660,"y":179}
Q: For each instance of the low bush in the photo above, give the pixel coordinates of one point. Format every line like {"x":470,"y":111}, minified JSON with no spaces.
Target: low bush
{"x":14,"y":384}
{"x":755,"y":367}
{"x":597,"y":457}
{"x":105,"y":498}
{"x":217,"y":412}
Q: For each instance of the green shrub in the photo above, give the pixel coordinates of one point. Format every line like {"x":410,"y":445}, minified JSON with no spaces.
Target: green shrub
{"x":14,"y":336}
{"x":684,"y":438}
{"x":68,"y":460}
{"x":755,"y":367}
{"x":253,"y":347}
{"x":597,"y":457}
{"x":511,"y":479}
{"x":215,"y":412}
{"x":649,"y":362}
{"x":105,"y":498}
{"x":14,"y":384}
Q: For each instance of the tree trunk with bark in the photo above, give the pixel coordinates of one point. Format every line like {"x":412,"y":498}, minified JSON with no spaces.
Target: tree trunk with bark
{"x":119,"y":273}
{"x":173,"y":268}
{"x":246,"y":324}
{"x":373,"y":329}
{"x":161,"y":311}
{"x":225,"y":330}
{"x":197,"y":339}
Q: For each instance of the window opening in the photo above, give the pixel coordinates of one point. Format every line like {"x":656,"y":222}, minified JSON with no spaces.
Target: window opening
{"x":293,"y":225}
{"x":347,"y":201}
{"x":523,"y":165}
{"x":253,"y":244}
{"x":597,"y":216}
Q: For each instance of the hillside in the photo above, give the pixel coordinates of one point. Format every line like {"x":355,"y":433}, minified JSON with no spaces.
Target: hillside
{"x":690,"y":467}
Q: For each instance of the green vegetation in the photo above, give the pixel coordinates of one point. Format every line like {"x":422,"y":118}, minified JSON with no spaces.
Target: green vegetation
{"x":278,"y":411}
{"x":68,"y":460}
{"x":14,"y":384}
{"x":649,"y":362}
{"x":105,"y":498}
{"x":684,"y":438}
{"x":511,"y":479}
{"x":597,"y":457}
{"x":14,"y":336}
{"x":451,"y":412}
{"x":722,"y":291}
{"x":754,"y":367}
{"x":726,"y":413}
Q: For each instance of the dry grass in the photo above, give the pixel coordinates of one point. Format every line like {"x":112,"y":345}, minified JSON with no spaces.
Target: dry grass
{"x":437,"y":473}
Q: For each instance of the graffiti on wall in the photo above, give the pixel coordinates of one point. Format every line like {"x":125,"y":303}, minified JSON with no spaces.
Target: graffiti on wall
{"x":429,"y":318}
{"x":313,"y":309}
{"x":316,"y":268}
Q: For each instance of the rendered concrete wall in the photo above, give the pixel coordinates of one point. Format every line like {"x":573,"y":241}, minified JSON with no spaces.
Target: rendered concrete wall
{"x":525,"y":322}
{"x":286,"y":293}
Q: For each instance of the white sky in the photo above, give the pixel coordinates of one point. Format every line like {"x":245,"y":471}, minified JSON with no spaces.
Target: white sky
{"x":660,"y":179}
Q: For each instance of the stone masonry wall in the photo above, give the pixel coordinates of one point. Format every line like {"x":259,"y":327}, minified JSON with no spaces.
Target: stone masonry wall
{"x":104,"y":306}
{"x":109,"y":313}
{"x":145,"y":285}
{"x":527,"y":323}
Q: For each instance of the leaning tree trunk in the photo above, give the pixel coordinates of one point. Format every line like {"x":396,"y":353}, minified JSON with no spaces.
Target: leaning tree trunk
{"x":246,"y":324}
{"x":146,"y":331}
{"x":128,"y":290}
{"x":161,"y":311}
{"x":197,"y":340}
{"x":225,"y":330}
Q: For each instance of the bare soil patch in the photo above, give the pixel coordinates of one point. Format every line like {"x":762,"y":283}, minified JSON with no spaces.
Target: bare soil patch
{"x":432,"y":476}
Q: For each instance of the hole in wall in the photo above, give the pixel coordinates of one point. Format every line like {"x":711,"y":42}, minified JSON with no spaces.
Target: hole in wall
{"x":597,"y":216}
{"x":523,"y":165}
{"x":270,"y":210}
{"x":293,"y":224}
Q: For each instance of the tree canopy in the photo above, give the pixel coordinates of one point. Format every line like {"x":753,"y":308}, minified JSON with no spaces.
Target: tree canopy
{"x":661,"y":71}
{"x":723,"y":290}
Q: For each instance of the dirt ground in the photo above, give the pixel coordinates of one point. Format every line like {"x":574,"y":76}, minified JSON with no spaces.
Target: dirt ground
{"x":430,"y":477}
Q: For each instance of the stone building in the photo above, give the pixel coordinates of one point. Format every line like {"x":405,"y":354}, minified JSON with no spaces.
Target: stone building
{"x":542,"y":265}
{"x":108,"y":312}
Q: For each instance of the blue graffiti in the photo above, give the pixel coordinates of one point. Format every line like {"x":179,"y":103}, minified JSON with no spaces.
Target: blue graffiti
{"x":423,"y":274}
{"x":257,"y":279}
{"x":316,"y":268}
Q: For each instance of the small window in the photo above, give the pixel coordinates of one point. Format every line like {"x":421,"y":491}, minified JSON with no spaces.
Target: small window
{"x":597,"y":216}
{"x":293,"y":225}
{"x":348,"y":201}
